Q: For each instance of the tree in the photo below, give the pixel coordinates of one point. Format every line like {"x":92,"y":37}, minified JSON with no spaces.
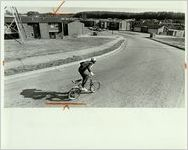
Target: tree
{"x":32,"y":13}
{"x":127,"y":15}
{"x":7,"y":12}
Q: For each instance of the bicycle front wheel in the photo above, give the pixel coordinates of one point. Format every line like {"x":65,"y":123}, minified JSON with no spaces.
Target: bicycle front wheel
{"x":74,"y":93}
{"x":95,"y":86}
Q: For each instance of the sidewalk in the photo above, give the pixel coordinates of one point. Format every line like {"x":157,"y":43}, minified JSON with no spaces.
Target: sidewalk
{"x":45,"y":59}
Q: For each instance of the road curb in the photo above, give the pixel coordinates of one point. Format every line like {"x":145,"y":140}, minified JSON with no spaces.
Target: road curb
{"x":63,"y":65}
{"x":44,"y":59}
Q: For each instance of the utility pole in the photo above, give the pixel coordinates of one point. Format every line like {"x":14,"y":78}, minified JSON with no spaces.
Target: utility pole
{"x":19,"y":24}
{"x":20,"y":28}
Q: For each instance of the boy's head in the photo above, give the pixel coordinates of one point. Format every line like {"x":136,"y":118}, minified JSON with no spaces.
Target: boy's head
{"x":93,"y":60}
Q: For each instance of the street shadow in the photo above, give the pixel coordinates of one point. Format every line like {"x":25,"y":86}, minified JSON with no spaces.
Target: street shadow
{"x":38,"y":94}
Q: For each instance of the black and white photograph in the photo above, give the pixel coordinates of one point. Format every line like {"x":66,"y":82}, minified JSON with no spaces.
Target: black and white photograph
{"x":93,"y":74}
{"x":95,"y":57}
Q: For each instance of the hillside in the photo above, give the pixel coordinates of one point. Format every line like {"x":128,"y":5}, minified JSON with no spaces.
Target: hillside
{"x":127,"y":15}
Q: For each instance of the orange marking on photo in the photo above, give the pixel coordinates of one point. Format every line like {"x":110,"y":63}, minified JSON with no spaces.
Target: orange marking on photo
{"x":65,"y":104}
{"x":3,"y":62}
{"x":185,"y":65}
{"x":55,"y":11}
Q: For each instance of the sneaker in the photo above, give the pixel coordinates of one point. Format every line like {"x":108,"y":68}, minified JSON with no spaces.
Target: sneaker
{"x":71,"y":98}
{"x":84,"y":89}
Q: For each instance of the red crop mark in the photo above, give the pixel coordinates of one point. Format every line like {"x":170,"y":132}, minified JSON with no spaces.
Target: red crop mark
{"x":3,"y":62}
{"x":57,"y":9}
{"x":185,"y":65}
{"x":65,"y":104}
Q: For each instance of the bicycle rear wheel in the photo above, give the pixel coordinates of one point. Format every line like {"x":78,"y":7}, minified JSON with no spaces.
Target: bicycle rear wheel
{"x":95,"y":86}
{"x":74,"y":93}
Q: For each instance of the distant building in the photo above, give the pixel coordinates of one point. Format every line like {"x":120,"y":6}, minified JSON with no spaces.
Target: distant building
{"x":55,"y":30}
{"x":113,"y":25}
{"x":103,"y":23}
{"x":177,"y":33}
{"x":177,"y":30}
{"x":75,"y":28}
{"x":149,"y":26}
{"x":158,"y":29}
{"x":89,"y":22}
{"x":50,"y":27}
{"x":144,"y":29}
{"x":125,"y":25}
{"x":137,"y":28}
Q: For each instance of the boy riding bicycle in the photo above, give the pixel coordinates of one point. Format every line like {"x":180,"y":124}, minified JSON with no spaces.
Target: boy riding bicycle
{"x":85,"y":70}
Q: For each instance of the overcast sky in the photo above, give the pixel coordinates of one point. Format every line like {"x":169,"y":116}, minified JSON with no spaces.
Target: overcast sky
{"x":89,"y":5}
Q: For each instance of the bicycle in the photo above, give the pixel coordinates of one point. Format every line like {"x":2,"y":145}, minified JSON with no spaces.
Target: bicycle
{"x":91,"y":86}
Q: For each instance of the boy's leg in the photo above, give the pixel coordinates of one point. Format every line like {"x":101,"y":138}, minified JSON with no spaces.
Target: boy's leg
{"x":78,"y":80}
{"x":85,"y":78}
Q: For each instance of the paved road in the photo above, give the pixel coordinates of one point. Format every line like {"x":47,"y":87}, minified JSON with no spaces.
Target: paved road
{"x":144,"y":73}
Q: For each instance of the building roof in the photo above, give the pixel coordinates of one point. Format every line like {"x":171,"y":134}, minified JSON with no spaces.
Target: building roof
{"x":151,"y":24}
{"x":155,"y":26}
{"x":176,"y":26}
{"x":40,"y":19}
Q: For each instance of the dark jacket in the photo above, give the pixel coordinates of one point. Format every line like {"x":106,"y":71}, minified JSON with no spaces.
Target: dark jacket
{"x":86,"y":65}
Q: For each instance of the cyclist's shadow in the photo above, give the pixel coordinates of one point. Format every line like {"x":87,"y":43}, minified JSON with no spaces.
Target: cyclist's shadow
{"x":37,"y":94}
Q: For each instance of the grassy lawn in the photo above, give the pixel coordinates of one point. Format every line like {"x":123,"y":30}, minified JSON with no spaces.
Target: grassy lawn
{"x":14,"y":50}
{"x":60,"y":62}
{"x":177,"y":41}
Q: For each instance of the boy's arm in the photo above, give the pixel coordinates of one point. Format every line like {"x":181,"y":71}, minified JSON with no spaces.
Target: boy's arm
{"x":89,"y":69}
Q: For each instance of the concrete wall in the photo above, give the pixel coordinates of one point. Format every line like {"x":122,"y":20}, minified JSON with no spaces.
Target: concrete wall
{"x":125,"y":25}
{"x":153,"y":31}
{"x":170,"y":32}
{"x":75,"y":28}
{"x":160,"y":30}
{"x":103,"y":24}
{"x":29,"y":31}
{"x":144,"y":29}
{"x":156,"y":31}
{"x":179,"y":33}
{"x":137,"y":29}
{"x":44,"y":30}
{"x":128,"y":27}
